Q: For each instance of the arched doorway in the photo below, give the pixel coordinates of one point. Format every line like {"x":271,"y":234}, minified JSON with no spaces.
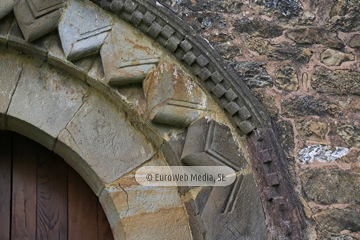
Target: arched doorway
{"x":42,"y":197}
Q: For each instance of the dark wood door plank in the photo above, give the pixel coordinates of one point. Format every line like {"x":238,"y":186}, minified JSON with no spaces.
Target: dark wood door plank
{"x":24,"y":189}
{"x":5,"y":184}
{"x":51,"y":196}
{"x":82,"y":209}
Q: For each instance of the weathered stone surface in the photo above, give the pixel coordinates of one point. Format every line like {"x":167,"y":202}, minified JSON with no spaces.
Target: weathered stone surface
{"x":267,"y":100}
{"x":258,"y":28}
{"x":209,"y":143}
{"x":307,"y":18}
{"x":234,"y":212}
{"x":37,"y":18}
{"x":309,"y":105}
{"x":10,"y":73}
{"x":37,"y":49}
{"x":344,"y":16}
{"x":286,"y":78}
{"x":337,"y":219}
{"x":5,"y":25}
{"x":355,"y":41}
{"x":123,"y":195}
{"x":124,"y":60}
{"x":279,"y":51}
{"x":81,"y":34}
{"x":321,"y":153}
{"x":284,"y":8}
{"x":43,"y":103}
{"x":79,"y":68}
{"x":253,"y":74}
{"x":350,"y":134}
{"x":169,"y":223}
{"x":108,"y":142}
{"x":330,"y":186}
{"x":332,"y":57}
{"x":5,"y":7}
{"x":312,"y":130}
{"x":172,"y":96}
{"x":338,"y":81}
{"x":312,"y":35}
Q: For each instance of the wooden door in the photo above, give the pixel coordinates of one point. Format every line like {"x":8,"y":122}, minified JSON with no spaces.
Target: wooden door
{"x":43,"y":198}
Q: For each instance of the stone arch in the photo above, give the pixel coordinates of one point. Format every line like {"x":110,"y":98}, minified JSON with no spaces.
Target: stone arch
{"x":128,"y":56}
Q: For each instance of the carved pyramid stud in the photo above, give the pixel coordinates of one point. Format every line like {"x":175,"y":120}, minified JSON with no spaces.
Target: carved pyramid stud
{"x":83,"y":29}
{"x":172,"y":96}
{"x":5,"y":7}
{"x":124,"y":60}
{"x":37,"y":18}
{"x":209,"y":143}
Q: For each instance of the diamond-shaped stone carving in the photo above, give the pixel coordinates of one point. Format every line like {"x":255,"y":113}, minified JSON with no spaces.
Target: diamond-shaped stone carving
{"x":209,"y":143}
{"x":126,"y":60}
{"x":83,"y":29}
{"x":37,"y":18}
{"x":172,"y":96}
{"x":5,"y":7}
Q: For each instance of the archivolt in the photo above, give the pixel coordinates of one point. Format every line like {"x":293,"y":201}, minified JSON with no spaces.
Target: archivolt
{"x":106,"y":129}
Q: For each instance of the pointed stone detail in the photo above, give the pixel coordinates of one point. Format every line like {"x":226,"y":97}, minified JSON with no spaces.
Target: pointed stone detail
{"x":5,"y":7}
{"x":83,"y":29}
{"x":37,"y":18}
{"x":209,"y":143}
{"x":172,"y":96}
{"x":126,"y":61}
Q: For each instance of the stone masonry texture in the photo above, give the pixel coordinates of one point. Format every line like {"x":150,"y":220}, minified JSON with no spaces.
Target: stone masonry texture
{"x":301,"y":60}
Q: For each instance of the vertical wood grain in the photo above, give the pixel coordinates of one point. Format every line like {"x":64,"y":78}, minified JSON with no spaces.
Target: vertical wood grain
{"x":82,"y":209}
{"x":5,"y":184}
{"x":51,"y":196}
{"x":24,"y":189}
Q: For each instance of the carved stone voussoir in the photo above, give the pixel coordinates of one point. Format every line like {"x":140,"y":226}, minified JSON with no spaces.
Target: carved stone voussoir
{"x":83,"y":29}
{"x":5,"y":7}
{"x":209,"y":143}
{"x":124,"y":60}
{"x":37,"y":18}
{"x":172,"y":96}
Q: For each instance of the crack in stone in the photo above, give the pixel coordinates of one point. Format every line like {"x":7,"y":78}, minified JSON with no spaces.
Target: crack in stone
{"x":13,"y":93}
{"x":127,"y":200}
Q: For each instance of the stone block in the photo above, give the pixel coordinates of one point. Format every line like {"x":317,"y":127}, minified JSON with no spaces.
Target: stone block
{"x":209,"y":143}
{"x":341,"y":186}
{"x":124,"y":194}
{"x":5,"y":25}
{"x":286,"y":78}
{"x":10,"y":73}
{"x":83,"y":29}
{"x":6,"y":7}
{"x":341,"y":82}
{"x":106,"y":139}
{"x":235,"y":211}
{"x":125,"y":60}
{"x":172,"y":97}
{"x":57,"y":58}
{"x":44,"y":102}
{"x":37,"y":18}
{"x":331,"y":57}
{"x":37,"y":49}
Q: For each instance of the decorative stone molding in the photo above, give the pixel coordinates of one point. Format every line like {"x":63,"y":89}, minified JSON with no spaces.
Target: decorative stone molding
{"x":83,"y":29}
{"x":127,"y":61}
{"x":174,"y":34}
{"x":37,"y":18}
{"x":209,"y":143}
{"x":172,"y":96}
{"x":124,"y":60}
